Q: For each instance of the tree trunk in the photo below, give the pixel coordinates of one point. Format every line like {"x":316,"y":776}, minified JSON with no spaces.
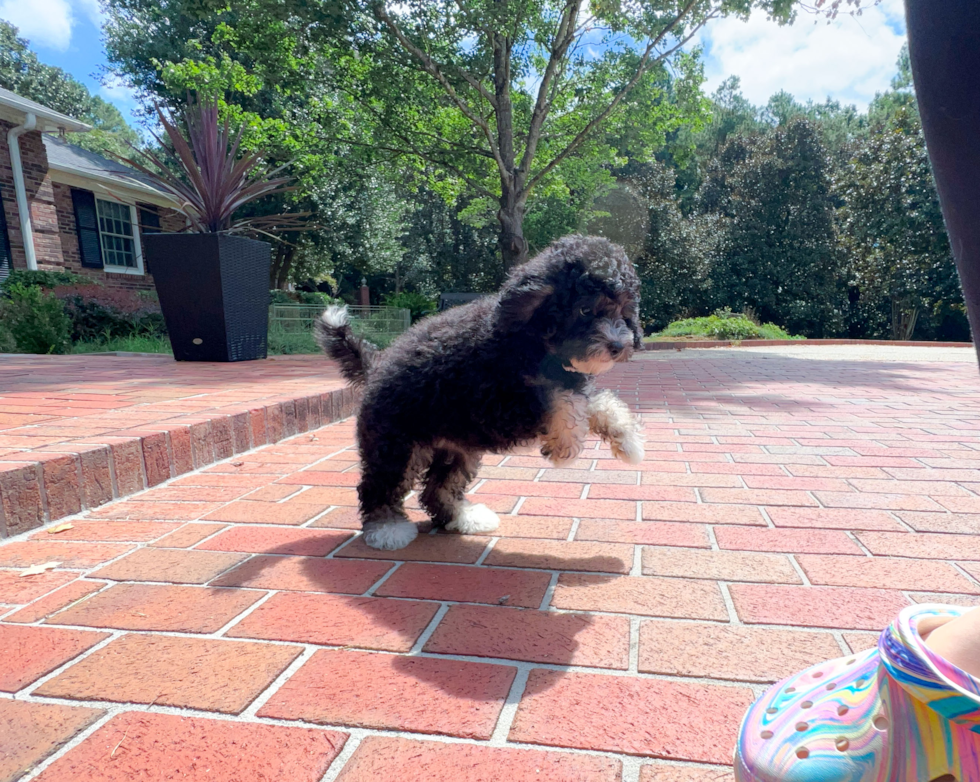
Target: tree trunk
{"x":513,"y":246}
{"x":281,"y":266}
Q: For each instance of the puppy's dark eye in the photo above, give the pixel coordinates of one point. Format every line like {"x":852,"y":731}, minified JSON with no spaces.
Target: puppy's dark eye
{"x":585,"y":311}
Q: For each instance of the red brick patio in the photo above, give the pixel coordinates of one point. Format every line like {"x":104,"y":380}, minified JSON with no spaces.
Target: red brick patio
{"x":79,"y":431}
{"x":227,"y":625}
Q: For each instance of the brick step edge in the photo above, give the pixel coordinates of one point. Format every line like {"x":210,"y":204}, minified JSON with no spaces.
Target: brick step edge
{"x":67,"y":478}
{"x":766,"y":343}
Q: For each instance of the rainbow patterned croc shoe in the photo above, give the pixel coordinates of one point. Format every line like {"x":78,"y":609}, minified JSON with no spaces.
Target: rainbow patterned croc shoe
{"x":898,"y":713}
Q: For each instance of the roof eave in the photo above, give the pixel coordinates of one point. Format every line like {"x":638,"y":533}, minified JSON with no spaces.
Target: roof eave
{"x":119,"y":181}
{"x":47,"y":121}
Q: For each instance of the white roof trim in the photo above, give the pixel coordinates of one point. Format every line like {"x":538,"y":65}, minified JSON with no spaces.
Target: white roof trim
{"x":110,"y":179}
{"x":48,"y":119}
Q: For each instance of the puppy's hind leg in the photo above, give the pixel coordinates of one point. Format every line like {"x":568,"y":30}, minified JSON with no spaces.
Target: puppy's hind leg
{"x":443,"y":496}
{"x":386,"y":477}
{"x":611,"y":419}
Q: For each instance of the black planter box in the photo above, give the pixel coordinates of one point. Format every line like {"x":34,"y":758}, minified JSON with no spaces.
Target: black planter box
{"x":214,"y":293}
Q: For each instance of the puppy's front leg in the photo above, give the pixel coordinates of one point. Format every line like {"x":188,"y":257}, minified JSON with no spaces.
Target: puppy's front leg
{"x":566,"y":428}
{"x":611,"y":419}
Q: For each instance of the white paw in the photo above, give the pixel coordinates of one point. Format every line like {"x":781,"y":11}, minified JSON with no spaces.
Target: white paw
{"x":474,"y":518}
{"x":629,"y":449}
{"x":390,"y":535}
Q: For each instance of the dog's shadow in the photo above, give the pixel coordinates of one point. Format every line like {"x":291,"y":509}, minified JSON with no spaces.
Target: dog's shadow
{"x":492,"y":631}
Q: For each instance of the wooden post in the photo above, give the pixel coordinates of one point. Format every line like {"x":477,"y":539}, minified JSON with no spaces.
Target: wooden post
{"x":365,"y":293}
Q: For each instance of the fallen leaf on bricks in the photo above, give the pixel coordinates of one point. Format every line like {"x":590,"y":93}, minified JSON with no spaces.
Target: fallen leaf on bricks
{"x":35,"y":570}
{"x":60,"y":528}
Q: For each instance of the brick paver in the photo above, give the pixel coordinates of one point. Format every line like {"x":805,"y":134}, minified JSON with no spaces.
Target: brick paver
{"x":29,"y":732}
{"x":163,"y":746}
{"x":788,"y":507}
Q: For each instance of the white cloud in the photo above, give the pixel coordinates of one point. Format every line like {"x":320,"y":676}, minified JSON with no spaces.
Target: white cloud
{"x":93,"y":10}
{"x":49,"y":23}
{"x":118,"y":92}
{"x":44,"y":22}
{"x":849,"y":60}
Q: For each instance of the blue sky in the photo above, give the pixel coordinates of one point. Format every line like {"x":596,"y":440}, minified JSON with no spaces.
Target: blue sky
{"x":849,"y":60}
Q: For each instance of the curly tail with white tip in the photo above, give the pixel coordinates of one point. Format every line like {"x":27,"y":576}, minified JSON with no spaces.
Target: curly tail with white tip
{"x":338,"y":340}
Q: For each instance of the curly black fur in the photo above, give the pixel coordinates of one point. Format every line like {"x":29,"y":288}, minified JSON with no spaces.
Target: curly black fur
{"x":485,"y":376}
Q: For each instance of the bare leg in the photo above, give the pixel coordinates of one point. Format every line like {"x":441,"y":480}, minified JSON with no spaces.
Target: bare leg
{"x":957,"y":641}
{"x":448,"y":476}
{"x":566,"y":429}
{"x":611,"y":419}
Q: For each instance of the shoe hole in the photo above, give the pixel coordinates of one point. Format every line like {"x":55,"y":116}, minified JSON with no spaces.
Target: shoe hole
{"x":842,"y":744}
{"x":806,"y":704}
{"x":860,"y":683}
{"x":791,"y":689}
{"x":851,"y":661}
{"x":771,"y":711}
{"x":831,"y":685}
{"x":802,"y":726}
{"x":818,"y":675}
{"x":881,"y":722}
{"x":842,"y":710}
{"x":802,"y":753}
{"x":766,"y":734}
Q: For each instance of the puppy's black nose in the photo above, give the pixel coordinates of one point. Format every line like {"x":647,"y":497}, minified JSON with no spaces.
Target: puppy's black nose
{"x":615,"y":348}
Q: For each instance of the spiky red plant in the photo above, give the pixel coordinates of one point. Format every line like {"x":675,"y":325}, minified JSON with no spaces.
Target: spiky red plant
{"x":206,"y":176}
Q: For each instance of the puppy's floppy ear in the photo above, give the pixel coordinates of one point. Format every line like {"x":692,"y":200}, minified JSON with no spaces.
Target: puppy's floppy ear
{"x":519,"y":302}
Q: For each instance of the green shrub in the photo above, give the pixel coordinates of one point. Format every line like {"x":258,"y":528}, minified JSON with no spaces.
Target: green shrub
{"x":724,"y":325}
{"x":416,"y":303}
{"x":42,"y":279}
{"x":99,"y":313}
{"x":302,"y":297}
{"x":7,"y":342}
{"x":280,"y":297}
{"x":36,"y":320}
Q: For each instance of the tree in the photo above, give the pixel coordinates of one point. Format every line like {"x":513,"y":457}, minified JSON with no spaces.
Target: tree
{"x":22,"y":72}
{"x":780,"y":254}
{"x":673,"y":254}
{"x":514,"y":91}
{"x":495,"y":98}
{"x":892,"y":228}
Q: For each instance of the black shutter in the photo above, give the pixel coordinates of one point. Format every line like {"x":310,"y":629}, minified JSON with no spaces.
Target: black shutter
{"x":149,"y":224}
{"x":5,"y":258}
{"x":87,"y":225}
{"x":149,"y":221}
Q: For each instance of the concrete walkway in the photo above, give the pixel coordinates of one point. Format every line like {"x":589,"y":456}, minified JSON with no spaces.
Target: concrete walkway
{"x":227,"y":625}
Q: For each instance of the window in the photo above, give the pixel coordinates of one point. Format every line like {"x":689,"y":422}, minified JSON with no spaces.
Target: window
{"x":108,"y":233}
{"x":116,"y":233}
{"x":149,"y":219}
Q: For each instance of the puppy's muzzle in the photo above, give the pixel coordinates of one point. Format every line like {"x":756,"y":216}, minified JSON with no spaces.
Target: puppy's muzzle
{"x":616,"y":337}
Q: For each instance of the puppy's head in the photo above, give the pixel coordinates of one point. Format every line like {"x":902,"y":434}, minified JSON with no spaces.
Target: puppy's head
{"x":581,"y":298}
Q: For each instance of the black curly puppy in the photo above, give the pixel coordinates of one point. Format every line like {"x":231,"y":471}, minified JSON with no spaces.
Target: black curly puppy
{"x":488,"y":376}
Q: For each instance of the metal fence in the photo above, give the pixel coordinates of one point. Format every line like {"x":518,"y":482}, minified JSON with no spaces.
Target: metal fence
{"x":291,"y":325}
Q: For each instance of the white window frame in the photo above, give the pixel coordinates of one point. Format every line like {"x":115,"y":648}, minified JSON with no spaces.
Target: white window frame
{"x":137,"y":245}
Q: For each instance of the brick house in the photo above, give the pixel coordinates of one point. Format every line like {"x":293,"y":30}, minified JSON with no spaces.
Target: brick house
{"x":66,"y":208}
